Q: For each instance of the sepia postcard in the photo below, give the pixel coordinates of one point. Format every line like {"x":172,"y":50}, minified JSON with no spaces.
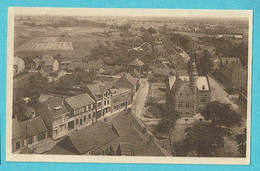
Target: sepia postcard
{"x":129,"y":85}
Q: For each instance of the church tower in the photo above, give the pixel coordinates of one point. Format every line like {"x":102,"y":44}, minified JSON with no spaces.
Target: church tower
{"x":193,"y":83}
{"x":193,"y":77}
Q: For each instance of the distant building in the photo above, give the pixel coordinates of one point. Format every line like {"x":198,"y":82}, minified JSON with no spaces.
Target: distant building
{"x":27,"y":133}
{"x":163,"y":60}
{"x":35,"y":64}
{"x":49,"y":64}
{"x":18,"y":66}
{"x":137,"y":64}
{"x":234,"y":73}
{"x":228,"y":60}
{"x":160,"y":74}
{"x":188,"y":94}
{"x":97,"y":139}
{"x":82,"y":109}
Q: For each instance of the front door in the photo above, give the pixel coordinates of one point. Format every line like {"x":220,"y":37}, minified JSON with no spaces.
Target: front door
{"x":80,"y":121}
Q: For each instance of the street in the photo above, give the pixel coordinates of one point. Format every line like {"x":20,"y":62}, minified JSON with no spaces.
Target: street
{"x":140,"y":100}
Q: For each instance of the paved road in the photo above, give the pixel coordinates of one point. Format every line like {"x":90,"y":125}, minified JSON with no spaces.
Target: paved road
{"x":140,"y":100}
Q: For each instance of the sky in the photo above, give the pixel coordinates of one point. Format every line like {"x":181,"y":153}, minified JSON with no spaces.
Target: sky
{"x":131,"y":12}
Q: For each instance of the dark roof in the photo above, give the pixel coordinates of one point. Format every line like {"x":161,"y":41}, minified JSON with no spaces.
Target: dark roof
{"x":79,"y":100}
{"x":55,"y":102}
{"x":232,"y":65}
{"x":152,"y":149}
{"x":86,"y":139}
{"x":135,"y":73}
{"x":128,"y":128}
{"x":130,"y":78}
{"x":28,"y":128}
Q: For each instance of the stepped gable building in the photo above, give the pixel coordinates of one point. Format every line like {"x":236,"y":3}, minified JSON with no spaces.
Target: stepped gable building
{"x":189,"y":94}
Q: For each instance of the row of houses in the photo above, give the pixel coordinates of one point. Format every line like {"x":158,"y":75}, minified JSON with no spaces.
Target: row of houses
{"x":233,"y":73}
{"x":59,"y":115}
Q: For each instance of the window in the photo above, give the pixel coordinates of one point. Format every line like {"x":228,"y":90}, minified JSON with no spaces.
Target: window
{"x":94,"y":114}
{"x":187,"y":104}
{"x":89,"y":116}
{"x":114,"y":107}
{"x":107,"y":102}
{"x":99,"y":104}
{"x":180,"y":94}
{"x":83,"y":109}
{"x":77,"y":121}
{"x":17,"y":145}
{"x":85,"y":118}
{"x":180,"y":104}
{"x":30,"y":140}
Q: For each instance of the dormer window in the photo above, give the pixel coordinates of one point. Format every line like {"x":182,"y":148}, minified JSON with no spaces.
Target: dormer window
{"x":203,"y":87}
{"x":58,"y":108}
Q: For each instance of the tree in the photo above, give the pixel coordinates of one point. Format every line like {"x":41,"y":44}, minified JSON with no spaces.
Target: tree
{"x":241,"y":141}
{"x":202,"y":140}
{"x":204,"y":63}
{"x":19,"y":108}
{"x":220,"y":114}
{"x":168,"y":119}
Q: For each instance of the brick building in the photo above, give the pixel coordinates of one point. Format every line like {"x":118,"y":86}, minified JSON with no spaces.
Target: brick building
{"x":188,"y":94}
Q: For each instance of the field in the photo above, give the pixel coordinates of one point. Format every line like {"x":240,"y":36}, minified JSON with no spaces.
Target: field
{"x":81,"y":39}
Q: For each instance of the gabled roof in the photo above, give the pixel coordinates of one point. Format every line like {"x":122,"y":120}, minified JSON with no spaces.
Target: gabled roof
{"x":79,"y":100}
{"x":136,"y":62}
{"x":28,"y":128}
{"x":135,"y":73}
{"x":86,"y":139}
{"x":97,"y":89}
{"x":52,"y":103}
{"x":49,"y":62}
{"x":130,"y":78}
{"x":128,"y":128}
{"x":153,"y":149}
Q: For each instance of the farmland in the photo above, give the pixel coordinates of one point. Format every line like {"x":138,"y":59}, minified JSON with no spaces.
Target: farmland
{"x":80,"y":40}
